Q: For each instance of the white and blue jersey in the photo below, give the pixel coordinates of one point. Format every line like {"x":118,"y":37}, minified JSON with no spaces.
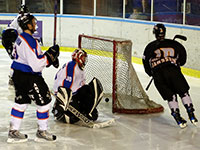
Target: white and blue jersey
{"x":28,"y":56}
{"x":69,"y":76}
{"x":14,"y":25}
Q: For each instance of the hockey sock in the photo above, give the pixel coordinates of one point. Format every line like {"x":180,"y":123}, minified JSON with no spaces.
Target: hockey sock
{"x":17,"y":114}
{"x":186,"y":99}
{"x":43,"y":115}
{"x":173,"y":104}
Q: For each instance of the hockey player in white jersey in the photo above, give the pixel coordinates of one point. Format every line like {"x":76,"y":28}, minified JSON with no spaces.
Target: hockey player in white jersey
{"x":83,"y":97}
{"x":28,"y":63}
{"x":10,"y":34}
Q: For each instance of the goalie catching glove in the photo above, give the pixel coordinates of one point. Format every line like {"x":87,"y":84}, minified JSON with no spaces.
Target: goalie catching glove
{"x":52,"y":56}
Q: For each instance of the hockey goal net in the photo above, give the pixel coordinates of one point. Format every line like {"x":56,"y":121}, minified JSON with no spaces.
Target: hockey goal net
{"x":109,"y":60}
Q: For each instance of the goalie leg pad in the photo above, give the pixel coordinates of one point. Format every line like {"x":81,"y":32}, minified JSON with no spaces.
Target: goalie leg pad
{"x":97,"y":92}
{"x":89,"y":97}
{"x":61,"y":104}
{"x":60,"y":114}
{"x":64,"y":95}
{"x":94,"y":115}
{"x":58,"y":111}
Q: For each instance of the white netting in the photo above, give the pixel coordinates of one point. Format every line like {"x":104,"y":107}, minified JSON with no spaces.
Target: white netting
{"x":128,"y":94}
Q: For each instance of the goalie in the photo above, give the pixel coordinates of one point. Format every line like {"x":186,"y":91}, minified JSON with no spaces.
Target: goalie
{"x":70,"y":89}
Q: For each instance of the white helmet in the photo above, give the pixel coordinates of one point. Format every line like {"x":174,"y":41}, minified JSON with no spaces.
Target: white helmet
{"x":80,"y":57}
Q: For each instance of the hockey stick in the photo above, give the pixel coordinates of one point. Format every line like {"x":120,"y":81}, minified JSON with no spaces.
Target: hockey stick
{"x":23,"y":2}
{"x":184,"y":38}
{"x":149,"y":84}
{"x":55,"y":21}
{"x":87,"y":122}
{"x":55,"y":63}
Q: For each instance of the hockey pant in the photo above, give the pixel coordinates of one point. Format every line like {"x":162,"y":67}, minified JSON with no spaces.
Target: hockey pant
{"x":170,"y":81}
{"x":85,"y":101}
{"x":28,"y":88}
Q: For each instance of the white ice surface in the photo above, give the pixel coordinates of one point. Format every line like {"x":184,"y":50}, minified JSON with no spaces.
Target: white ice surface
{"x":131,"y":132}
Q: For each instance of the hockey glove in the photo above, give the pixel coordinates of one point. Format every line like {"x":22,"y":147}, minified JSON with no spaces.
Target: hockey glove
{"x":8,"y":38}
{"x":52,"y":55}
{"x":56,"y":63}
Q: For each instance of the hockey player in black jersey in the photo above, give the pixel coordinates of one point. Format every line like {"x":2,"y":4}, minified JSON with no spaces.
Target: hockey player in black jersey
{"x":162,"y":59}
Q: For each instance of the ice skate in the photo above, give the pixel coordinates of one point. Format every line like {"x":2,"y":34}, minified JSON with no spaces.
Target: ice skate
{"x":180,"y":121}
{"x":44,"y":136}
{"x":192,"y":118}
{"x":190,"y":111}
{"x":14,"y":136}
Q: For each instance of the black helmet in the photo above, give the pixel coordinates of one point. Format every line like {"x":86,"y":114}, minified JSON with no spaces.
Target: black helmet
{"x":25,"y":19}
{"x":159,"y":30}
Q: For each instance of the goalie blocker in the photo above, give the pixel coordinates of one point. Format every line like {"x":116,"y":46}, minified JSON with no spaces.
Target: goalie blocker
{"x":85,"y":101}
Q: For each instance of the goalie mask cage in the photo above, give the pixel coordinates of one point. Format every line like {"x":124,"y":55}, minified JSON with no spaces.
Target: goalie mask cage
{"x":109,"y":60}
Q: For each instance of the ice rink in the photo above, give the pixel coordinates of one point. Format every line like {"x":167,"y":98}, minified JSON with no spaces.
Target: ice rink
{"x":130,"y":132}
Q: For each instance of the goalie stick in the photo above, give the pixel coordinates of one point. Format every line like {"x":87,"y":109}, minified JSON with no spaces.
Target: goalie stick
{"x":184,"y":38}
{"x":87,"y":122}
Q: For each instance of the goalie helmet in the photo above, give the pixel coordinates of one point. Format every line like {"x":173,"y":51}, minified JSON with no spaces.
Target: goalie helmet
{"x":159,"y":30}
{"x":24,"y":20}
{"x":80,"y":57}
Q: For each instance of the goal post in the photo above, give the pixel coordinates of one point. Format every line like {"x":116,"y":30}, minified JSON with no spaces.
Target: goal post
{"x":109,"y":60}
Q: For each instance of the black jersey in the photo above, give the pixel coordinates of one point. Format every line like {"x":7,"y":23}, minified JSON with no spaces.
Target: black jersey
{"x":162,"y":53}
{"x":162,"y":60}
